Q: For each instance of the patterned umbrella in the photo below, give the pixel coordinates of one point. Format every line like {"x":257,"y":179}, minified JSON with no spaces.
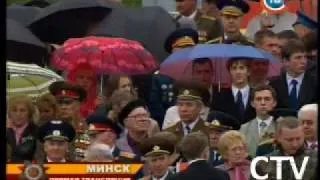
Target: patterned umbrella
{"x":29,"y":79}
{"x":105,"y":55}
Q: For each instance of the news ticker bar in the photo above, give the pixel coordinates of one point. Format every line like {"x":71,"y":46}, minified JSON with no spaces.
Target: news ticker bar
{"x":79,"y":169}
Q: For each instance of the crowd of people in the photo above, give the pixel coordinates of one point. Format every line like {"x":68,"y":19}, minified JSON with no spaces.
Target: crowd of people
{"x":188,"y":129}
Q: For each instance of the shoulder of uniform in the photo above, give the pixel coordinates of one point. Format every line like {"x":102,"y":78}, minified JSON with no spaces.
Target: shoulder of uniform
{"x":208,"y":17}
{"x":267,"y":141}
{"x":216,"y":40}
{"x":127,"y":154}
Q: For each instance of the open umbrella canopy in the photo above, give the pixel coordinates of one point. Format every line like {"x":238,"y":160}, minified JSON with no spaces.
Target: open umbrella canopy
{"x":23,"y":46}
{"x":29,"y":79}
{"x":148,"y":25}
{"x":68,"y":19}
{"x":179,"y":64}
{"x":22,"y":14}
{"x":105,"y":55}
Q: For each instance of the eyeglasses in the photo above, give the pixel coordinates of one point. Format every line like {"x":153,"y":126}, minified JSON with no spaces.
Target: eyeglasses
{"x":139,"y":116}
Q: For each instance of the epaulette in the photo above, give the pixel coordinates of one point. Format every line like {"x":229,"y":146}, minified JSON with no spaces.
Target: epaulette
{"x":208,"y":17}
{"x":127,"y":155}
{"x":267,"y":141}
{"x":216,"y":40}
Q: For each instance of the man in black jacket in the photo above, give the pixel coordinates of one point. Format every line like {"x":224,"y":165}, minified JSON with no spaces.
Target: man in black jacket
{"x":195,"y":148}
{"x":295,"y":87}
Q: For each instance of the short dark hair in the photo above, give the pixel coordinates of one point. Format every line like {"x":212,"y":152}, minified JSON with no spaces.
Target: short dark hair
{"x":289,"y":122}
{"x":192,"y":145}
{"x":293,"y":46}
{"x":244,"y":60}
{"x":288,"y":34}
{"x":263,"y":88}
{"x":211,"y":1}
{"x":261,"y":34}
{"x":202,"y":61}
{"x":311,"y":41}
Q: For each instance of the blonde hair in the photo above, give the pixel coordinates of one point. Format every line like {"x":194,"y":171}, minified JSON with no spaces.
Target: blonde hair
{"x":228,"y":139}
{"x":22,"y":99}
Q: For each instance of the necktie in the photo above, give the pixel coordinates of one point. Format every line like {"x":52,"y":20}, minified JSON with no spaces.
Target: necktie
{"x":293,"y":99}
{"x":240,"y":104}
{"x":188,"y":129}
{"x":263,"y":126}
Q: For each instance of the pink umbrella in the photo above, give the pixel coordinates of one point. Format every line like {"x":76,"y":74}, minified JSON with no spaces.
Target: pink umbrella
{"x":105,"y":55}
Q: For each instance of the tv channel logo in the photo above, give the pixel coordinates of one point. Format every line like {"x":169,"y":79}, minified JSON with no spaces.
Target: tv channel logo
{"x":273,"y":6}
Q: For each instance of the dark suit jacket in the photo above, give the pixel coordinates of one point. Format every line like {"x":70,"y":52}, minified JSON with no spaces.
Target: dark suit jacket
{"x":307,"y":93}
{"x":27,"y":148}
{"x":201,"y":170}
{"x":225,"y":102}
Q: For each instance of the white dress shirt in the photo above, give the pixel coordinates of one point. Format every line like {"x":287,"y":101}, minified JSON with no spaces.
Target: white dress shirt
{"x":172,"y":116}
{"x":267,"y":121}
{"x":191,"y":16}
{"x":244,"y":91}
{"x":195,"y":160}
{"x":298,"y":79}
{"x":191,"y":126}
{"x":162,"y":178}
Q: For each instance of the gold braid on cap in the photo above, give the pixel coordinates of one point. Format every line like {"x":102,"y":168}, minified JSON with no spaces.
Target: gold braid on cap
{"x":183,"y":41}
{"x":157,"y":149}
{"x":232,"y":10}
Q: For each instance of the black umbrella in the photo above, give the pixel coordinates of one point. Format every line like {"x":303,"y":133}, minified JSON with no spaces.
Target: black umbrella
{"x":23,"y":46}
{"x":69,"y":19}
{"x":22,"y":14}
{"x":149,"y":25}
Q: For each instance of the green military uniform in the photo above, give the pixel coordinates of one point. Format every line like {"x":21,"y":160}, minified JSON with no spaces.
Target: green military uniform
{"x":189,"y":93}
{"x":241,"y":40}
{"x":208,"y":27}
{"x":155,"y":146}
{"x":234,"y":8}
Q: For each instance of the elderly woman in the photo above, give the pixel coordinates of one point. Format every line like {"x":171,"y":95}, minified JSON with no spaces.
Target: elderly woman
{"x":138,"y":125}
{"x":47,"y":107}
{"x":233,"y":149}
{"x":21,"y":131}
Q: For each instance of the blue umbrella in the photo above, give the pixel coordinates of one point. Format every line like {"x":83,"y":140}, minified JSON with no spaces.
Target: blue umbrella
{"x":179,"y":64}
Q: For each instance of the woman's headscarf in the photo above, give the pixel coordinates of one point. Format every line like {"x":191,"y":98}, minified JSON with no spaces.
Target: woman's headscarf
{"x":89,"y":106}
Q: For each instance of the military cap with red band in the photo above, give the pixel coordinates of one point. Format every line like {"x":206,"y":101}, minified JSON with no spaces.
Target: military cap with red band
{"x":62,"y":89}
{"x":99,"y":124}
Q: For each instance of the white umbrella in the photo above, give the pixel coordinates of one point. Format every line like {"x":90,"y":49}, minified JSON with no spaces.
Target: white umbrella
{"x":29,"y":79}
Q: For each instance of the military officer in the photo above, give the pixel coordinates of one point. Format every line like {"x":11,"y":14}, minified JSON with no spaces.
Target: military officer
{"x":162,"y":95}
{"x":268,"y":142}
{"x":232,"y":12}
{"x":189,"y":102}
{"x":69,"y":98}
{"x":157,"y":151}
{"x":218,"y":123}
{"x":104,"y":131}
{"x":208,"y":27}
{"x":56,"y":136}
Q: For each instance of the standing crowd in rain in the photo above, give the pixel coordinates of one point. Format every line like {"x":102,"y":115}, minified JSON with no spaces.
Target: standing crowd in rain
{"x":196,"y":128}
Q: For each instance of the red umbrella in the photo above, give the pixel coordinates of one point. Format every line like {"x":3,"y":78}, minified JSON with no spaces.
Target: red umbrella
{"x":105,"y":55}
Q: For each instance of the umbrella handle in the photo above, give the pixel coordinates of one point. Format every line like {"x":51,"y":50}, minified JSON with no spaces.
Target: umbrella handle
{"x":101,"y":85}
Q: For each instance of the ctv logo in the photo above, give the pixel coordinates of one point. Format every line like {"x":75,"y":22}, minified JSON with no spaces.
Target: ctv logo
{"x":273,"y":6}
{"x":298,"y":174}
